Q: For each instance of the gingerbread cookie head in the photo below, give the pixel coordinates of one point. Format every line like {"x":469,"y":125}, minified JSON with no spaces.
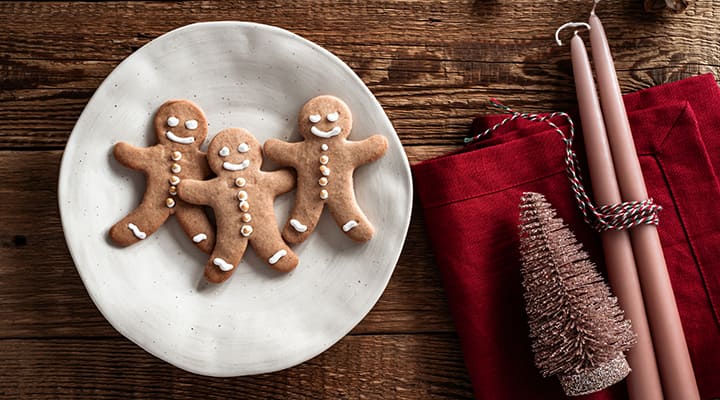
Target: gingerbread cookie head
{"x":232,"y":150}
{"x":180,"y":122}
{"x":325,"y":117}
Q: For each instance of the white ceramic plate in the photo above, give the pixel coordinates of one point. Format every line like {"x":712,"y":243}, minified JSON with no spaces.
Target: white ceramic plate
{"x":243,"y":75}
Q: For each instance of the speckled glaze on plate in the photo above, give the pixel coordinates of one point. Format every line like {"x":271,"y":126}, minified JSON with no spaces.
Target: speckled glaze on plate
{"x":255,"y":77}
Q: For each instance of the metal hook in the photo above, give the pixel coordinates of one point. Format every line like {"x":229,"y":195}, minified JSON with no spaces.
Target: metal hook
{"x":569,"y":25}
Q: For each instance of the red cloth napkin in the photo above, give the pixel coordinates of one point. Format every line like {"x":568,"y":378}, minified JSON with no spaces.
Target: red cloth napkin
{"x":470,"y":201}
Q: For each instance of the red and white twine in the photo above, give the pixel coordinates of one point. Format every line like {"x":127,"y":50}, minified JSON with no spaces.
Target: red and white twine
{"x":619,"y":216}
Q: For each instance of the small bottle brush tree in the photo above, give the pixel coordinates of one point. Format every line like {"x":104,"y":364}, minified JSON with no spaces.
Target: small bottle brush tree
{"x":578,"y":331}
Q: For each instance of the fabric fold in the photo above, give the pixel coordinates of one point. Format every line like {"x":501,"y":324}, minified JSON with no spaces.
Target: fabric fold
{"x":470,"y":200}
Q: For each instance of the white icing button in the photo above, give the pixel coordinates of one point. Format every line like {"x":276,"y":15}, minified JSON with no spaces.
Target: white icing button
{"x":173,"y":190}
{"x":246,"y":230}
{"x":174,"y":180}
{"x":323,"y":194}
{"x":199,"y":237}
{"x":243,"y":148}
{"x":324,"y":159}
{"x":176,"y":168}
{"x":246,"y":217}
{"x":224,"y":152}
{"x":324,"y":147}
{"x":136,"y":231}
{"x":240,"y":182}
{"x":324,"y":170}
{"x":332,"y":117}
{"x":277,"y":256}
{"x":191,"y":124}
{"x":323,"y":181}
{"x":170,"y":203}
{"x":176,"y":155}
{"x":242,"y":195}
{"x":315,"y":118}
{"x":244,"y":206}
{"x":298,"y":226}
{"x":222,"y":264}
{"x":173,"y":122}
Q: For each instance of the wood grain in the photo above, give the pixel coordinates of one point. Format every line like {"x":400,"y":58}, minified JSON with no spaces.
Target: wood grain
{"x":425,"y":366}
{"x":432,"y":64}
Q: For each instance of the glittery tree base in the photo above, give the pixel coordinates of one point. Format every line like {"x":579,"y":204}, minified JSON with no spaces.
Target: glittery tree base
{"x":599,"y":378}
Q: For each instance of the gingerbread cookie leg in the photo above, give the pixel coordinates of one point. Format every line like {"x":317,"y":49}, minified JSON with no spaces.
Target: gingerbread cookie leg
{"x":349,"y":217}
{"x":269,"y":246}
{"x":140,"y":223}
{"x":197,"y":226}
{"x":304,"y":217}
{"x":225,"y":257}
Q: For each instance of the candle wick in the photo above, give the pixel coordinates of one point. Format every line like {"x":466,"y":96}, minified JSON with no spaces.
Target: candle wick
{"x":595,"y":3}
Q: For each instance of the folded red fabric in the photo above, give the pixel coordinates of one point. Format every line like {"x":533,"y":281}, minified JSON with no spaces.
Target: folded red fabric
{"x":470,"y":201}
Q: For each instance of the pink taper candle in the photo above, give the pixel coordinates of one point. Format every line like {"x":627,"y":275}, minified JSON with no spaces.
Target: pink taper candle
{"x":643,"y":383}
{"x":676,"y":372}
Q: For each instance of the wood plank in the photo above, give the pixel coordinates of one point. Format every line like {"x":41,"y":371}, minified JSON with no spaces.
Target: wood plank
{"x":433,"y":65}
{"x":42,"y":294}
{"x":389,"y":367}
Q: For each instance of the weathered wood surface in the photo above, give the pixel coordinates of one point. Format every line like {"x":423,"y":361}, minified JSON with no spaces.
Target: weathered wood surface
{"x":432,"y":64}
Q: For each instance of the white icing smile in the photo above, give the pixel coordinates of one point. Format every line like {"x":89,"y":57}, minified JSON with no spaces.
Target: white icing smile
{"x":236,"y":167}
{"x":326,"y":134}
{"x":177,"y":139}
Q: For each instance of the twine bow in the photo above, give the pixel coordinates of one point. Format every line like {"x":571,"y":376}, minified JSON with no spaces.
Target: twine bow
{"x":618,"y":216}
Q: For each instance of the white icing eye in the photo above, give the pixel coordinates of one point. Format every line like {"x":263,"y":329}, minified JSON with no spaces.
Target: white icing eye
{"x":224,"y":152}
{"x":332,"y":117}
{"x":315,"y":118}
{"x":173,"y":121}
{"x":191,"y":124}
{"x":243,"y":148}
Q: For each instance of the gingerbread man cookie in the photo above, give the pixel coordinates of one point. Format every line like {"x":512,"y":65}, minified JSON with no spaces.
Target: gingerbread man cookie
{"x":325,"y":161}
{"x":180,"y":127}
{"x":242,"y":197}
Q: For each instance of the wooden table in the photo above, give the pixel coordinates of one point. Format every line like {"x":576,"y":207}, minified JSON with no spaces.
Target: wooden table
{"x":432,"y":65}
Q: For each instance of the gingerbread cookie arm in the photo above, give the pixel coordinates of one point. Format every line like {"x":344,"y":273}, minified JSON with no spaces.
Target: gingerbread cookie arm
{"x":367,"y":150}
{"x":197,"y":226}
{"x":272,"y":249}
{"x":349,"y":217}
{"x":279,"y":182}
{"x":136,"y":158}
{"x":141,"y":222}
{"x":196,"y":192}
{"x":283,"y":153}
